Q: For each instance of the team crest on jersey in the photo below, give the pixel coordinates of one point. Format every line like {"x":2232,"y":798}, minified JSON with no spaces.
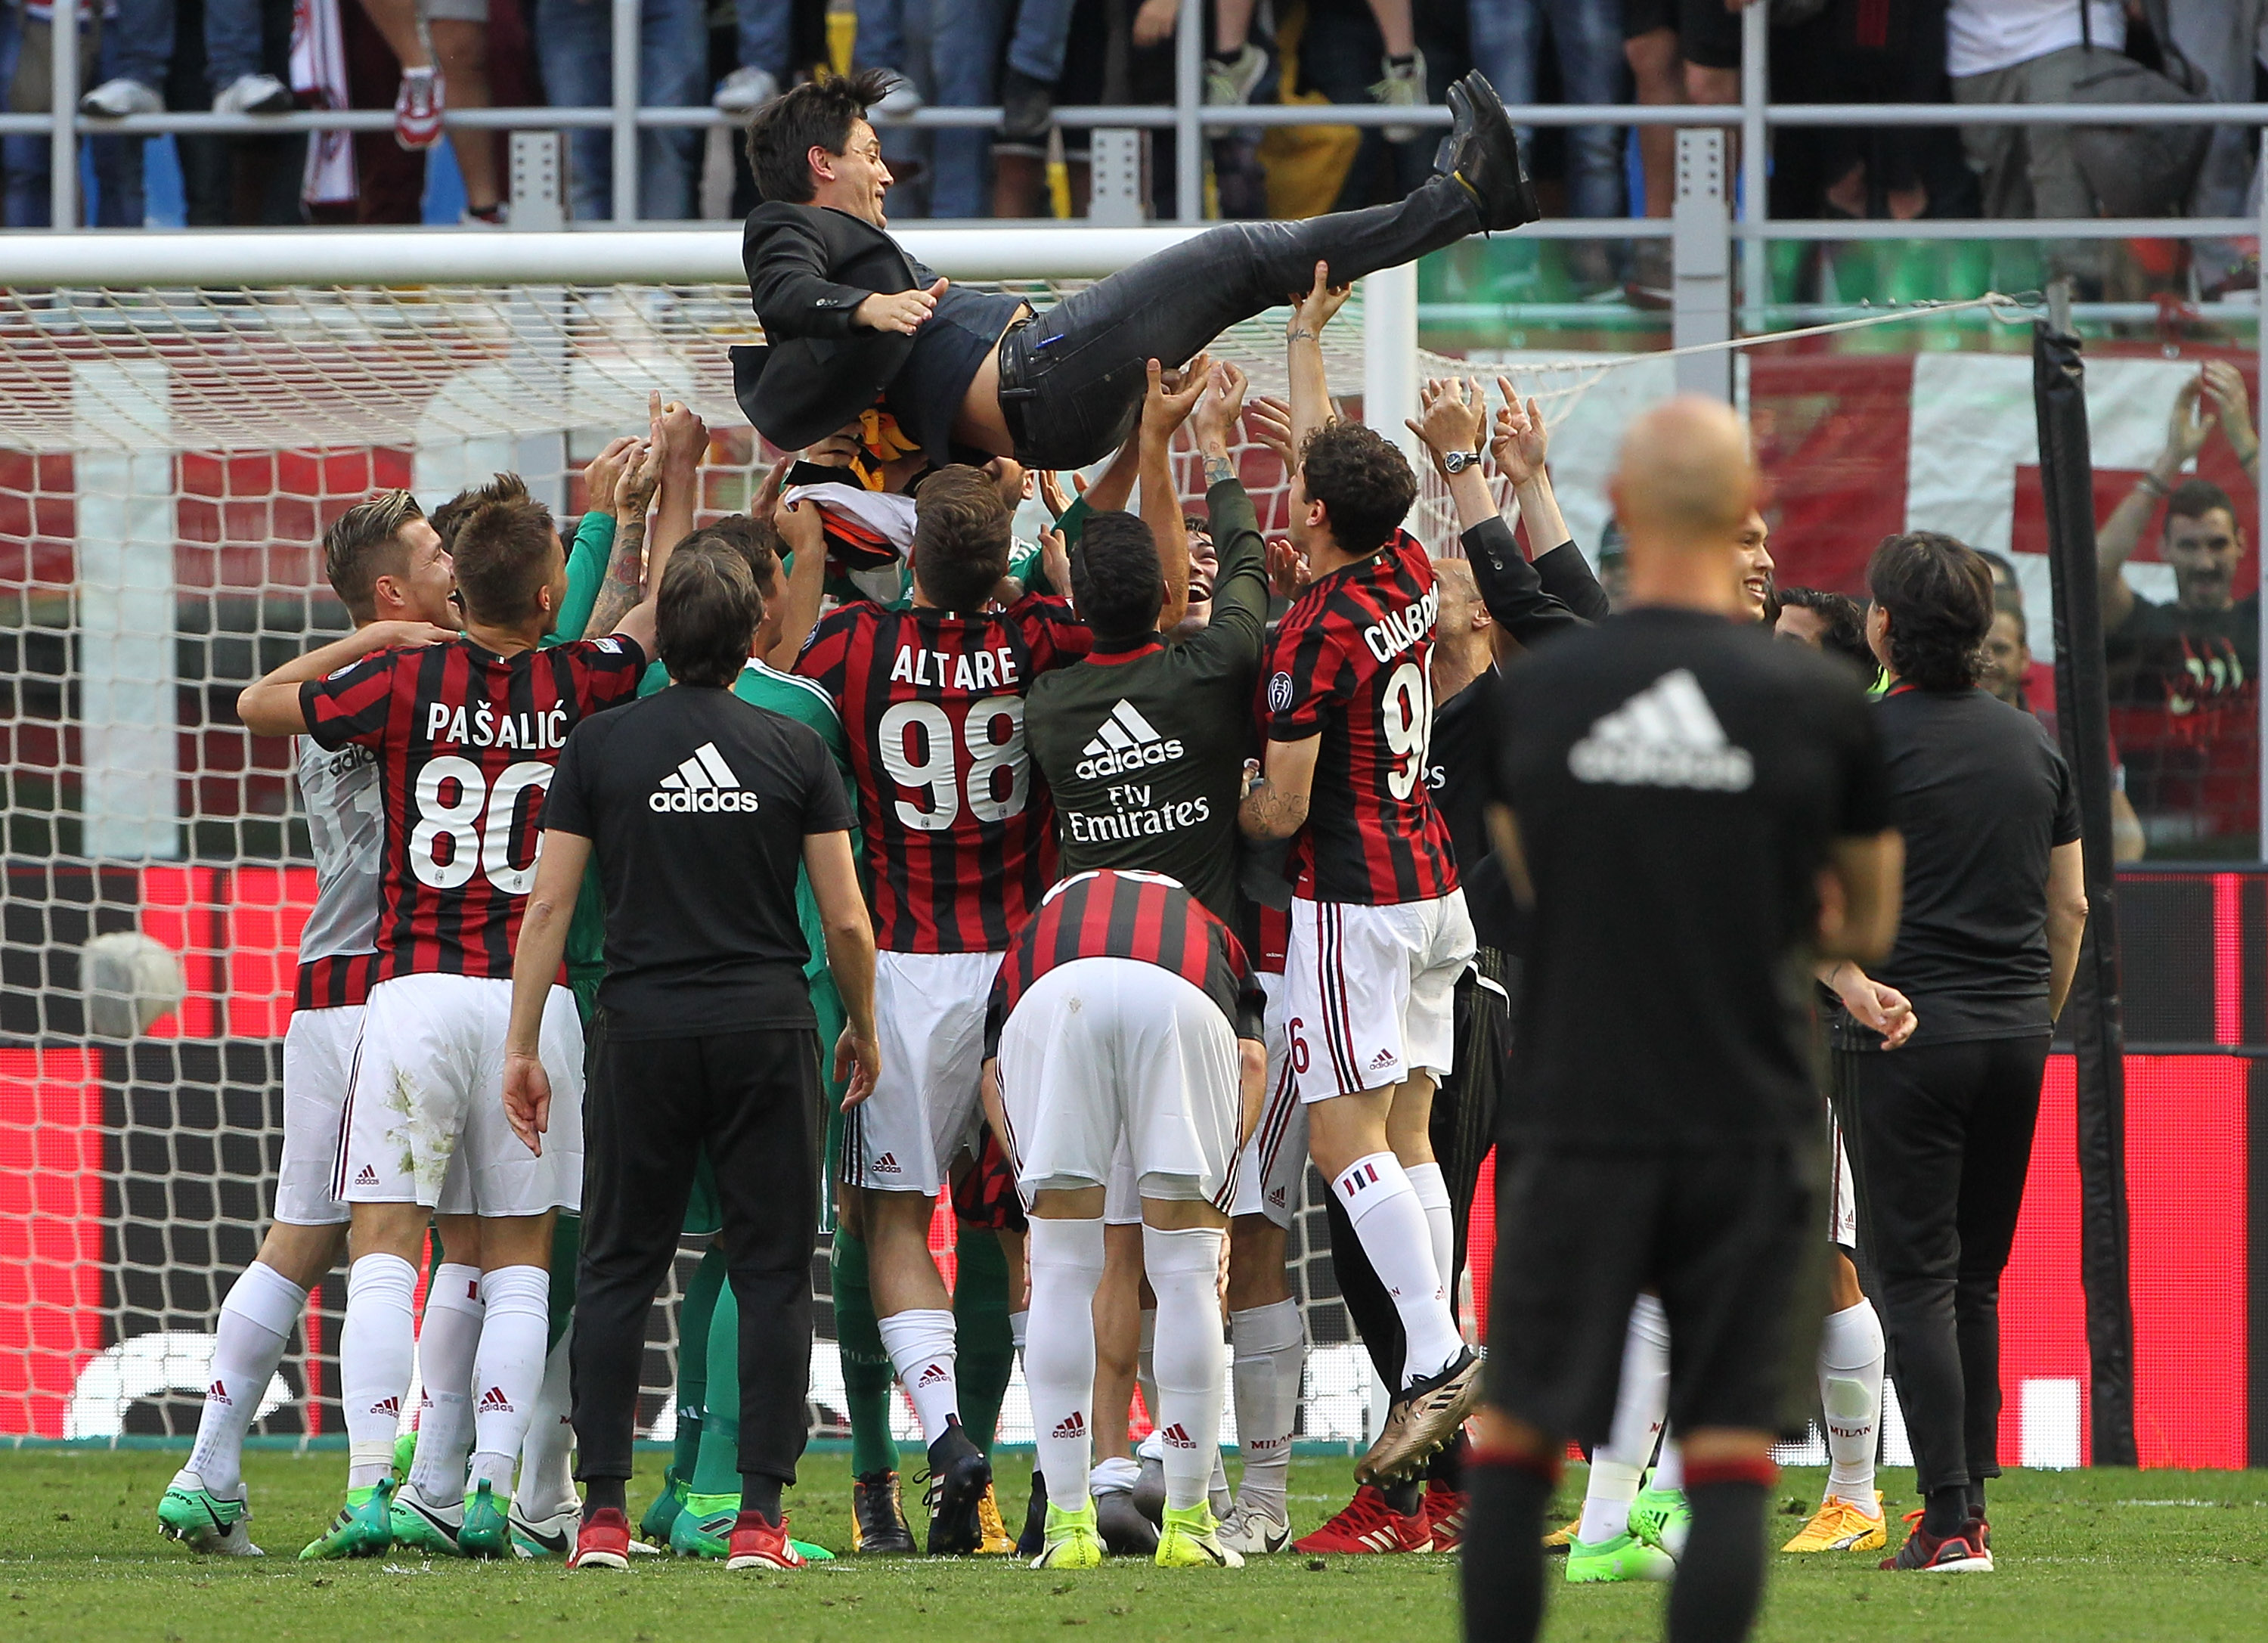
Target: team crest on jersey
{"x":612,"y":646}
{"x":1279,"y":694}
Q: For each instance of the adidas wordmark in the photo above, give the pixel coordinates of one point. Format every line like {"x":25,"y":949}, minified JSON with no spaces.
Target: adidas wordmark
{"x":704,"y":783}
{"x":1125,"y":742}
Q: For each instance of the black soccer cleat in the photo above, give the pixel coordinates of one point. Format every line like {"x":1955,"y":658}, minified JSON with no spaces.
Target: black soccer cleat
{"x":878,"y":1524}
{"x":958,"y":1477}
{"x":1482,"y":151}
{"x":1034,"y":1539}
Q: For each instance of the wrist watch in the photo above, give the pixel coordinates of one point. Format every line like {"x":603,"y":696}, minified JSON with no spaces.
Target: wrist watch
{"x":1458,"y":462}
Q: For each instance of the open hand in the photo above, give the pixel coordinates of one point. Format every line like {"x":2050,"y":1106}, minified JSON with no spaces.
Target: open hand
{"x":1450,"y":418}
{"x":2224,"y":385}
{"x":1287,"y":569}
{"x":899,"y":311}
{"x":1221,"y":405}
{"x":2188,"y":427}
{"x":1312,"y":310}
{"x":1521,"y":440}
{"x":1165,"y":407}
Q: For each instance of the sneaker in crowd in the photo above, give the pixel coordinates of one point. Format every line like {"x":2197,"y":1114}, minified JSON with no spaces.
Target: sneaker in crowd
{"x":704,"y":1529}
{"x":745,"y":90}
{"x":253,"y":94}
{"x":114,"y":100}
{"x":1403,"y":87}
{"x":654,"y":1527}
{"x":485,"y":1532}
{"x":1840,"y":1526}
{"x":1482,"y":151}
{"x":1367,"y":1524}
{"x":418,"y":105}
{"x":1556,"y":1543}
{"x":204,"y":1522}
{"x":991,"y":1532}
{"x":1034,"y":1533}
{"x":541,"y":1535}
{"x":1229,"y":81}
{"x":1423,"y":1417}
{"x":902,"y":99}
{"x":1190,"y":1538}
{"x":1119,"y":1521}
{"x":959,"y":1475}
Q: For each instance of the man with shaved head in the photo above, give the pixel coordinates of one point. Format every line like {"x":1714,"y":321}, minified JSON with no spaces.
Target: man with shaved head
{"x":1675,"y":787}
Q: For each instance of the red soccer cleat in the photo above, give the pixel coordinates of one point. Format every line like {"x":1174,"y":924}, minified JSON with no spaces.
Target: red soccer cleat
{"x":1964,"y":1551}
{"x":603,"y":1542}
{"x":1445,"y":1515}
{"x":757,"y":1545}
{"x":1366,"y":1523}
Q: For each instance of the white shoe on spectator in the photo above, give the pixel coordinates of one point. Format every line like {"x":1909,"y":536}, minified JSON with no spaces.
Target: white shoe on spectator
{"x":114,"y":100}
{"x":1229,"y":80}
{"x":745,"y":90}
{"x":1403,"y":87}
{"x":901,"y":99}
{"x":253,"y":94}
{"x":418,"y":107}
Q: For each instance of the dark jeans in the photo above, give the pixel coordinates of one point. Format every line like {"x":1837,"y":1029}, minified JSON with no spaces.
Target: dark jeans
{"x":752,"y":1099}
{"x":1071,"y":381}
{"x":1939,"y":1138}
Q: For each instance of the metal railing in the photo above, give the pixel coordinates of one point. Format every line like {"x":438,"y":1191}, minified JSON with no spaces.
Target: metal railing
{"x":1189,"y":117}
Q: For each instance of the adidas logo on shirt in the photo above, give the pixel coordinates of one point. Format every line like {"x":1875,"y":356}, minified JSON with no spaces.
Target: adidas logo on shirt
{"x":1664,"y":736}
{"x":1125,"y":742}
{"x":704,"y":784}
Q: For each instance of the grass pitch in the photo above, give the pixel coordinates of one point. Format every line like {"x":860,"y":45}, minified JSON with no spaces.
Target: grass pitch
{"x":2113,"y":1555}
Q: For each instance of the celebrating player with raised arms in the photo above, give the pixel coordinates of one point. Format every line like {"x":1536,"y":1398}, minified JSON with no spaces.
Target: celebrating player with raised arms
{"x":466,"y":734}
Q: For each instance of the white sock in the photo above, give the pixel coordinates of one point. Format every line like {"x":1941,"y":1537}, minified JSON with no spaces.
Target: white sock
{"x":1120,"y":1472}
{"x":1640,"y":1406}
{"x":1184,"y":1267}
{"x":377,"y":1351}
{"x":1271,"y":1350}
{"x":256,"y":1321}
{"x":1058,"y":1336}
{"x":448,"y":1339}
{"x":508,"y":1369}
{"x":547,"y":1479}
{"x":1851,"y":1392}
{"x":1145,"y":1362}
{"x":1392,"y":1225}
{"x":1433,"y":1189}
{"x":1020,"y":1327}
{"x":920,"y":1343}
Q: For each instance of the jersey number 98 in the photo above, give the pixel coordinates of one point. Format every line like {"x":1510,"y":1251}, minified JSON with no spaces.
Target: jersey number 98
{"x":926,"y":763}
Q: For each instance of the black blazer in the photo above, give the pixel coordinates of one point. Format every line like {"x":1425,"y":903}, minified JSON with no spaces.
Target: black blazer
{"x":808,"y":267}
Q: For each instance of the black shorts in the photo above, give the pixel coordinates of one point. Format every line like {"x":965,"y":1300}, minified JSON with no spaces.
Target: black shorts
{"x":1708,"y":34}
{"x":1730,"y":1238}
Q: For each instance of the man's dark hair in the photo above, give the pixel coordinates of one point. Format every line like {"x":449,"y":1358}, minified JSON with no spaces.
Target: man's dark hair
{"x":708,"y":608}
{"x":961,"y":538}
{"x":2193,"y":500}
{"x":817,"y":114}
{"x":451,"y":513}
{"x":504,"y":558}
{"x":751,"y":538}
{"x":1363,"y":481}
{"x":2004,"y":575}
{"x":363,"y":544}
{"x":1938,"y":594}
{"x":1115,"y":579}
{"x":1843,"y":631}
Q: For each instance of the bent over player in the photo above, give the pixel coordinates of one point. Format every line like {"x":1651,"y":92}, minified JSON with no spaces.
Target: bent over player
{"x":466,"y":735}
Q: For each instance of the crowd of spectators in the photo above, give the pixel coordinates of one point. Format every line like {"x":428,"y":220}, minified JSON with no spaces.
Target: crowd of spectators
{"x":423,"y":57}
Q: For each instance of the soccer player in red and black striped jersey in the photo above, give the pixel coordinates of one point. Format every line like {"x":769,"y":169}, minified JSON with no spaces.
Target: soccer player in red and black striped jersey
{"x":467,"y":734}
{"x":959,"y":840}
{"x":1379,"y":929}
{"x":1128,"y":1012}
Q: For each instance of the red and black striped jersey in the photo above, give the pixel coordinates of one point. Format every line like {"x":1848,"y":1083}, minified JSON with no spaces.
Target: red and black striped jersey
{"x":1142,"y":916}
{"x":959,"y":829}
{"x":466,"y":741}
{"x":1349,"y":663}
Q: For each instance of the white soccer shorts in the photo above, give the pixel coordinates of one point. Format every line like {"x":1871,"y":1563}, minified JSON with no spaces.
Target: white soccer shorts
{"x":1843,"y":1207}
{"x":1122,"y":1195}
{"x":1104,"y":1047}
{"x":1267,"y":1170}
{"x":425,"y":1121}
{"x":1369,"y":992}
{"x":319,"y":1050}
{"x":929,"y":1013}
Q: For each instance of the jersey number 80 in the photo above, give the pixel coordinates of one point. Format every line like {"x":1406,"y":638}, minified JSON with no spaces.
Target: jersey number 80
{"x":479,"y":824}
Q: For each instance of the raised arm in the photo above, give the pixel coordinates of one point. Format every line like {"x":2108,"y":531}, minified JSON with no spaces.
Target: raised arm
{"x":2121,"y":533}
{"x":803,"y":532}
{"x":626,"y":570}
{"x":2226,"y":385}
{"x":1240,"y":585}
{"x":594,"y":537}
{"x":1453,"y":421}
{"x":1163,"y":412}
{"x":1303,"y":339}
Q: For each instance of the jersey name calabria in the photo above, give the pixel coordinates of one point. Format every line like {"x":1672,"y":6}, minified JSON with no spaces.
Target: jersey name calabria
{"x":1349,"y":663}
{"x":959,"y":835}
{"x":338,"y":945}
{"x":467,"y":742}
{"x":1141,"y":915}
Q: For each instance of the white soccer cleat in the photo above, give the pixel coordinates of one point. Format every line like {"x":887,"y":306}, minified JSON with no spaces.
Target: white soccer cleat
{"x":1253,"y":1531}
{"x":551,"y":1535}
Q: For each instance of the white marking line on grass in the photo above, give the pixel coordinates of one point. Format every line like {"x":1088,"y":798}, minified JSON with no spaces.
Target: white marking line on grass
{"x":2187,"y":1503}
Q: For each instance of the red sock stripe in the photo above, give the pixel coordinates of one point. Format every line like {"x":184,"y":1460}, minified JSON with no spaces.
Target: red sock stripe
{"x":1548,"y":1467}
{"x":1760,"y":1471}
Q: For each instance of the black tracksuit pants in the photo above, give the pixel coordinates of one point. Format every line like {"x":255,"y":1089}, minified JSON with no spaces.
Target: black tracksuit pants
{"x":753,"y":1099}
{"x":1071,"y":381}
{"x":1939,"y":1138}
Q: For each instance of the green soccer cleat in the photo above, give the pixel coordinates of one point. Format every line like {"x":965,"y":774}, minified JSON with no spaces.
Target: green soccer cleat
{"x":405,"y":1455}
{"x":703,"y":1528}
{"x":362,"y":1529}
{"x":204,"y":1522}
{"x":1071,"y":1539}
{"x":421,"y":1526}
{"x":1624,"y":1557}
{"x":1661,"y":1518}
{"x":811,"y":1553}
{"x":487,"y":1531}
{"x":654,"y":1527}
{"x":1190,"y":1538}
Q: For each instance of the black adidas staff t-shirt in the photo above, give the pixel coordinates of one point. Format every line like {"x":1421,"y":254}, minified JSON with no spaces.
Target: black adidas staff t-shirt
{"x":697,"y":805}
{"x":1678,"y":781}
{"x":1982,"y":797}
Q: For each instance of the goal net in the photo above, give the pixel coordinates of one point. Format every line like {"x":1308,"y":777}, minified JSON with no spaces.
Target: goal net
{"x":168,"y":461}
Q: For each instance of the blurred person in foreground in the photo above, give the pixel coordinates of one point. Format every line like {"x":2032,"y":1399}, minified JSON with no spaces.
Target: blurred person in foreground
{"x":1677,"y":788}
